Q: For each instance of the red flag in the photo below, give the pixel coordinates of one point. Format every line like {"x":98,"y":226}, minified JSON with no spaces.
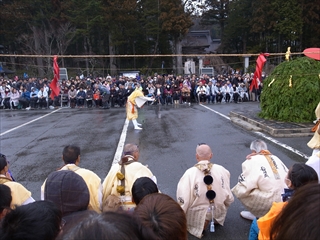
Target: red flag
{"x":257,"y":74}
{"x":54,"y":85}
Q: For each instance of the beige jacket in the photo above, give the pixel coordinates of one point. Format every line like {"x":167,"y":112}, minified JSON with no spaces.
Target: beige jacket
{"x":191,"y":195}
{"x":258,"y":186}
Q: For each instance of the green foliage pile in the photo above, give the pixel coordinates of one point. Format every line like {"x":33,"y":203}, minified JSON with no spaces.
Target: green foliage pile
{"x":296,"y":103}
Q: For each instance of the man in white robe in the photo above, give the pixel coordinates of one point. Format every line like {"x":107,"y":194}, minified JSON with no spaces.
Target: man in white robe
{"x":192,"y":190}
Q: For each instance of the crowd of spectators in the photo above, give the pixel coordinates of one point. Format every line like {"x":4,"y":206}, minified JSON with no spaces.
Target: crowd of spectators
{"x":106,"y":92}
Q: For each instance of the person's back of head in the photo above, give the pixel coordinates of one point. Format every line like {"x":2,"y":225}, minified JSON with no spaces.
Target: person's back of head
{"x":5,"y":200}
{"x":258,"y":145}
{"x":300,"y":174}
{"x":68,"y":191}
{"x":35,"y":221}
{"x":109,"y":226}
{"x":163,"y":215}
{"x":300,"y":218}
{"x":142,"y":187}
{"x":70,"y":154}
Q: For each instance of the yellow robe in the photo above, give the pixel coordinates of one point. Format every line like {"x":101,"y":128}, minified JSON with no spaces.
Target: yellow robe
{"x":19,"y":193}
{"x":132,"y":110}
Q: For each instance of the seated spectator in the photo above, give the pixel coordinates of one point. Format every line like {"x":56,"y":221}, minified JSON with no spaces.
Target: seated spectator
{"x":73,"y":206}
{"x":168,"y":94}
{"x":24,"y":99}
{"x":227,"y":92}
{"x":235,"y":94}
{"x":142,"y":187}
{"x":6,"y":98}
{"x":81,"y":96}
{"x":298,"y":175}
{"x":163,"y":216}
{"x":43,"y":98}
{"x":72,"y":95}
{"x":110,"y":226}
{"x":122,"y":97}
{"x":219,"y":92}
{"x":33,"y":97}
{"x":202,"y":93}
{"x":97,"y":98}
{"x":20,"y":195}
{"x":176,"y":93}
{"x":114,"y":95}
{"x":261,"y":181}
{"x":89,"y":97}
{"x":185,"y":94}
{"x":210,"y":92}
{"x":243,"y":92}
{"x":71,"y":159}
{"x":158,"y":93}
{"x":14,"y":98}
{"x":5,"y":201}
{"x":299,"y":219}
{"x":39,"y":220}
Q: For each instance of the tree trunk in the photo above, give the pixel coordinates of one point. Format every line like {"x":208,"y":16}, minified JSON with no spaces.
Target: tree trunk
{"x":37,"y":49}
{"x":179,"y":67}
{"x":113,"y":67}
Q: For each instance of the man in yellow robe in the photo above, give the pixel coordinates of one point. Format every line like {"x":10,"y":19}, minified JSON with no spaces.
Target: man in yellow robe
{"x":135,"y":100}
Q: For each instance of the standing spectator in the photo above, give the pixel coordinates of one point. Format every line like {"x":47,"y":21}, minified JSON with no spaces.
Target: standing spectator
{"x":261,"y":181}
{"x":97,"y":98}
{"x":202,"y":187}
{"x":120,"y":179}
{"x":176,"y":93}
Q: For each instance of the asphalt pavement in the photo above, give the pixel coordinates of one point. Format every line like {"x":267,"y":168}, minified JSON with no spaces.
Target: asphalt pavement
{"x":33,"y":142}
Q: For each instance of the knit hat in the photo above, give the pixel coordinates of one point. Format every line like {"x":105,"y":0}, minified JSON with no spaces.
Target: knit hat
{"x":68,"y":191}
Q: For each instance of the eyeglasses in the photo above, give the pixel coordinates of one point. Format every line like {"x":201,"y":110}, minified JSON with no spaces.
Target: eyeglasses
{"x":210,"y":194}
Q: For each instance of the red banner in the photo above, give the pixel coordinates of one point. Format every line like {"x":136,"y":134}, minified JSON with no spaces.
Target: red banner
{"x":54,"y":85}
{"x":258,"y":73}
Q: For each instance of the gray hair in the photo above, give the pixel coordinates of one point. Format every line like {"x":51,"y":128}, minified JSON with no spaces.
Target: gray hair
{"x":258,"y":145}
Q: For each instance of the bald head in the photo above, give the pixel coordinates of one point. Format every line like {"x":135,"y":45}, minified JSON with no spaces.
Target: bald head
{"x":203,"y":152}
{"x":131,"y":149}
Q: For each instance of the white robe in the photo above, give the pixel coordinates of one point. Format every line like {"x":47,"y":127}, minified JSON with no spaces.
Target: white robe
{"x":191,"y":195}
{"x":258,"y":187}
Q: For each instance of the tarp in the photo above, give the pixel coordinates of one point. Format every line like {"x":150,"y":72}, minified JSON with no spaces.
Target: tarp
{"x":5,"y":71}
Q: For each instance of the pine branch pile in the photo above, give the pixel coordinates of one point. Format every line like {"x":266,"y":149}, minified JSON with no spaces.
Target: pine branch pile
{"x":297,"y":103}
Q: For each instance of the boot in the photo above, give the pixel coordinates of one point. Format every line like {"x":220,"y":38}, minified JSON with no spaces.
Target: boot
{"x":136,"y":124}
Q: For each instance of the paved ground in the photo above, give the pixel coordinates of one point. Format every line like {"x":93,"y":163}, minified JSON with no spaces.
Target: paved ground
{"x":33,"y":142}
